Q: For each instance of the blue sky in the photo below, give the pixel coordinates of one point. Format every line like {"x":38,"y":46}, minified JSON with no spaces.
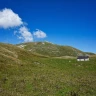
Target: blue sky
{"x":64,"y":22}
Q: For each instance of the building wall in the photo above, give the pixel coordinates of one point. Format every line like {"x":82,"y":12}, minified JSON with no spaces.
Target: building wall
{"x":83,"y":59}
{"x":80,"y":59}
{"x":87,"y":59}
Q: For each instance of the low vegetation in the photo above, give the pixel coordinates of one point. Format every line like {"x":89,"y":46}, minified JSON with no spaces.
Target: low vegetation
{"x":23,"y":73}
{"x":49,"y":49}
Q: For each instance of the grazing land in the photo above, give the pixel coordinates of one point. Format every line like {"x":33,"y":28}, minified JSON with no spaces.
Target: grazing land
{"x":23,"y":73}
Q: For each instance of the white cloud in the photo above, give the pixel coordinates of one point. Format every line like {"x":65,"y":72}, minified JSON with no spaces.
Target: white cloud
{"x":9,"y":19}
{"x":25,"y":35}
{"x":39,"y":34}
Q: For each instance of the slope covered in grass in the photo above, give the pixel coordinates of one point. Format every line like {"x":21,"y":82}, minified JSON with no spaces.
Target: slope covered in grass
{"x":49,"y":49}
{"x":10,"y":54}
{"x":35,"y":75}
{"x":90,"y":53}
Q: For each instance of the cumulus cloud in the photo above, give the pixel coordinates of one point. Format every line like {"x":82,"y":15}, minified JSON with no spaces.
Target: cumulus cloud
{"x":39,"y":34}
{"x":24,"y":34}
{"x":9,"y":19}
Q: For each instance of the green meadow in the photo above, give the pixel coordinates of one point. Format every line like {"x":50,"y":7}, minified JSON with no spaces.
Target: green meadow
{"x":23,"y":73}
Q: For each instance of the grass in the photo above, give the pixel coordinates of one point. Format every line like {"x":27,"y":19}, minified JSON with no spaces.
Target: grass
{"x":49,"y":49}
{"x":35,"y":75}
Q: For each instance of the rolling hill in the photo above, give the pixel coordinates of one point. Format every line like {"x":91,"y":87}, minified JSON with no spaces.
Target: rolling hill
{"x":12,"y":54}
{"x":49,"y":49}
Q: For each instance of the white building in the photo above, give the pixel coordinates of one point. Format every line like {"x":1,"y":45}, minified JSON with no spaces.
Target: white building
{"x":83,"y":58}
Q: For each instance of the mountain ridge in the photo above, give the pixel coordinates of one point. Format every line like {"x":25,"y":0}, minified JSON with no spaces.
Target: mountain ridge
{"x":53,"y":50}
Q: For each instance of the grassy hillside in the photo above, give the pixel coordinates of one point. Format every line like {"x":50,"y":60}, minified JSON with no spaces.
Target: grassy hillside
{"x":49,"y":49}
{"x":90,"y":53}
{"x":10,"y":54}
{"x":24,"y":74}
